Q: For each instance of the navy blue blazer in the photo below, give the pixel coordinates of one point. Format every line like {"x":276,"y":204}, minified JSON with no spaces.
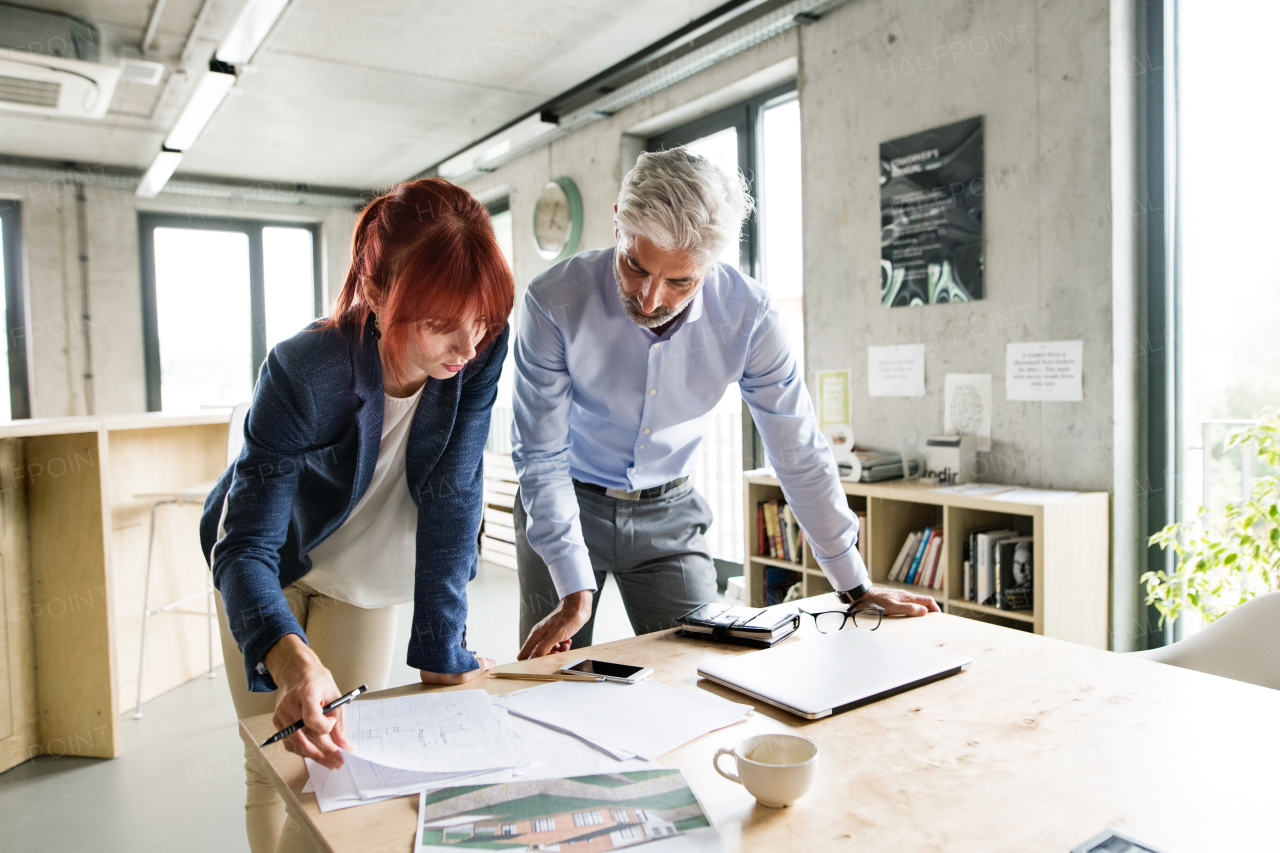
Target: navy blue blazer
{"x":311,"y":444}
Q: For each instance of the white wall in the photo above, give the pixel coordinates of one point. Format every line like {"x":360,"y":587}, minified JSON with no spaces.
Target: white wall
{"x":52,"y":271}
{"x":875,"y":70}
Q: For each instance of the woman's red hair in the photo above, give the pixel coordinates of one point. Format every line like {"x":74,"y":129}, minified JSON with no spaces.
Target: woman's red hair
{"x":426,"y":250}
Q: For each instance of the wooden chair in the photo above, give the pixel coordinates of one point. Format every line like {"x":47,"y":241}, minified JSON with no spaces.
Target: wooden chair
{"x":195,"y":494}
{"x":1243,"y":645}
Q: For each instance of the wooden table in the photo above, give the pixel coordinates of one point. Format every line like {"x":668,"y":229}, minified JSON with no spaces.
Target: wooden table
{"x":1040,"y":745}
{"x":73,"y":562}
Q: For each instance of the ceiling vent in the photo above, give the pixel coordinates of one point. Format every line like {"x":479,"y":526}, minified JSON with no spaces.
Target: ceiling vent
{"x":50,"y":64}
{"x":50,"y":85}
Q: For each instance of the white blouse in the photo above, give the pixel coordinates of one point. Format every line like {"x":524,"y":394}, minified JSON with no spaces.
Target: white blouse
{"x":369,"y":561}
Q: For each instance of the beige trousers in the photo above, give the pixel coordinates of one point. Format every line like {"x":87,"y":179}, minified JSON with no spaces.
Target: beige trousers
{"x":357,"y":647}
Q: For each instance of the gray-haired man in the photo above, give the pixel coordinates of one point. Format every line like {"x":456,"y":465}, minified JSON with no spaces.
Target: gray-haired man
{"x":620,"y":357}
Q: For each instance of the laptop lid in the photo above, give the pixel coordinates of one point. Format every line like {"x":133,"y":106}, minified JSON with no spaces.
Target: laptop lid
{"x":828,"y":673}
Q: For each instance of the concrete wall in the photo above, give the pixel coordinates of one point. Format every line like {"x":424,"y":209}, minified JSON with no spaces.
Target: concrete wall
{"x":52,"y":271}
{"x":1040,"y":76}
{"x":875,"y":70}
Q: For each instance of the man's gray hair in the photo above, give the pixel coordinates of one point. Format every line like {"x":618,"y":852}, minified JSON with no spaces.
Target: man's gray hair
{"x":678,"y":199}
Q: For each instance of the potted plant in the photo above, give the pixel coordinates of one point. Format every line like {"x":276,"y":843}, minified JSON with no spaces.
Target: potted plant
{"x":1226,"y":560}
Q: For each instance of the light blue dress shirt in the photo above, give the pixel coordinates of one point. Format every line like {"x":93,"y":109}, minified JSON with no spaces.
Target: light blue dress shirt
{"x":604,"y":401}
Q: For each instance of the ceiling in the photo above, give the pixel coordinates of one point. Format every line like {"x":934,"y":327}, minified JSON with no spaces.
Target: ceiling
{"x":344,"y":94}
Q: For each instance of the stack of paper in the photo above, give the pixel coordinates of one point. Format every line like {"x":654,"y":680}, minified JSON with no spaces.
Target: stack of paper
{"x":646,"y":719}
{"x":430,"y":741}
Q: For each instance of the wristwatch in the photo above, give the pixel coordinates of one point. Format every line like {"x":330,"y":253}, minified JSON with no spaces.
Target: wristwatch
{"x":850,"y":597}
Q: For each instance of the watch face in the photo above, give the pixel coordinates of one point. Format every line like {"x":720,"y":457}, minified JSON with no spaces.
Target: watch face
{"x":552,"y":221}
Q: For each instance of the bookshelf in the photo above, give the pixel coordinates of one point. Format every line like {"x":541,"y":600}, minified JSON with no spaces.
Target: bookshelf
{"x":1071,"y":553}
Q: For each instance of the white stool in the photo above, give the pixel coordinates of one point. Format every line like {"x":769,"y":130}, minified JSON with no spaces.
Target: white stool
{"x":196,"y":494}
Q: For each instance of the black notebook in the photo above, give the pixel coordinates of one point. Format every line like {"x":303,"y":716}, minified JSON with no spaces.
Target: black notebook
{"x":748,"y":626}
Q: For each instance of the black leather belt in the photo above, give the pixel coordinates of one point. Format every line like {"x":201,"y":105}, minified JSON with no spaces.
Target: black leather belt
{"x":643,"y":494}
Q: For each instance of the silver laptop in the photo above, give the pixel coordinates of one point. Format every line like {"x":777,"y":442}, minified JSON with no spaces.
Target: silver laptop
{"x":829,"y":673}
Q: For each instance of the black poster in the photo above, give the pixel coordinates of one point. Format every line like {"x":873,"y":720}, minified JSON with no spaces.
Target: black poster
{"x":931,"y":189}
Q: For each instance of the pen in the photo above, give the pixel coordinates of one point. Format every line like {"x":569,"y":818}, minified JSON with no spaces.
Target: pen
{"x":327,"y":709}
{"x":549,"y":676}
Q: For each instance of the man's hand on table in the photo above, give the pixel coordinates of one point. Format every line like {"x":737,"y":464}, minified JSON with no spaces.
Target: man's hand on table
{"x":899,"y":602}
{"x":555,"y":633}
{"x":305,"y":687}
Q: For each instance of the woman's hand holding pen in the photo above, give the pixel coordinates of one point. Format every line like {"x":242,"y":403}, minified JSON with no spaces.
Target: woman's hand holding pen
{"x":486,"y":666}
{"x":305,"y":687}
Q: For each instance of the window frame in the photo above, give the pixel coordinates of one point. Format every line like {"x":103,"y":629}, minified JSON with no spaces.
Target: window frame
{"x":18,"y":337}
{"x":747,"y":118}
{"x":252,"y":228}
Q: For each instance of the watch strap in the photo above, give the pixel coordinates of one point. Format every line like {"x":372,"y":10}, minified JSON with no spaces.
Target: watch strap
{"x":851,"y":596}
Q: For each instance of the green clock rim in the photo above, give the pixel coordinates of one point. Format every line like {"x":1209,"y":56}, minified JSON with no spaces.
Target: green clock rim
{"x":574,"y":198}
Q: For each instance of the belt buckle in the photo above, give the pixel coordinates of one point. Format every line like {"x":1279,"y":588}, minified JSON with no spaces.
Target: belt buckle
{"x":619,"y":494}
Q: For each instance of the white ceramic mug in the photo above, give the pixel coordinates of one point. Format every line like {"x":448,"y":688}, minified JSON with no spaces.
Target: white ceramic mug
{"x":775,"y":769}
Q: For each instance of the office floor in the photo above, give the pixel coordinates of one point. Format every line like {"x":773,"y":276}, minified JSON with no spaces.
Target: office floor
{"x":180,"y":783}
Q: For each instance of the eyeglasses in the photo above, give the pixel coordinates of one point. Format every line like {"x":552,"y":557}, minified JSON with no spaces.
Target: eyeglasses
{"x":829,"y":621}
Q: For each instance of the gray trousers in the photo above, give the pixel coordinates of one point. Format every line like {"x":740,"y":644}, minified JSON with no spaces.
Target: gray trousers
{"x":656,"y":549}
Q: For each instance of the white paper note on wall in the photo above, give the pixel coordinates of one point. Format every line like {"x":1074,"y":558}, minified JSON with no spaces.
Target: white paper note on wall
{"x":1044,"y":371}
{"x":835,"y":415}
{"x":967,"y":402}
{"x":896,"y":371}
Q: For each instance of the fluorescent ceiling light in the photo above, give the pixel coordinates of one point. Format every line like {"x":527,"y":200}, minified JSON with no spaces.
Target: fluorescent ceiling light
{"x":205,"y":100}
{"x":255,"y":21}
{"x":482,"y":154}
{"x":159,"y":173}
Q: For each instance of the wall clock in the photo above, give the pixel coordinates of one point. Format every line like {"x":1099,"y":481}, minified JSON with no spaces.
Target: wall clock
{"x":557,"y":220}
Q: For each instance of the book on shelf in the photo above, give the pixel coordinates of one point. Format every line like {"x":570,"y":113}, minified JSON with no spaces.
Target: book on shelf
{"x":923,"y":546}
{"x":983,"y":543}
{"x":895,"y":573}
{"x":778,"y":583}
{"x":920,"y":560}
{"x":1014,"y":558}
{"x":747,"y":626}
{"x":778,"y":534}
{"x":763,"y":548}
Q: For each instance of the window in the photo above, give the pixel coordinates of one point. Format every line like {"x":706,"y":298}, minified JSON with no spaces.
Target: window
{"x":544,"y":824}
{"x":510,"y":829}
{"x":503,"y":408}
{"x":620,"y":816}
{"x":14,"y":399}
{"x":588,"y":818}
{"x":1229,"y":296}
{"x":761,"y":137}
{"x":218,"y":294}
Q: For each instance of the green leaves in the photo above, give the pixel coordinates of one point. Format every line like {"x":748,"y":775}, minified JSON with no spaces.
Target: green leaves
{"x":1223,"y":562}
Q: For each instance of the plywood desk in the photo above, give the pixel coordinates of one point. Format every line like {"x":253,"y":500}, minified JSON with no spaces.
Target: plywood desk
{"x":73,"y":540}
{"x":1039,"y":746}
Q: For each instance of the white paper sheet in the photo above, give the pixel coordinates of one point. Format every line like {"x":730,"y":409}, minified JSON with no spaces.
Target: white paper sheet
{"x":543,"y":753}
{"x":334,"y":789}
{"x":649,"y":718}
{"x":454,"y":732}
{"x":974,"y":489}
{"x":1044,"y":371}
{"x":896,"y":371}
{"x":1034,"y":496}
{"x":967,"y":407}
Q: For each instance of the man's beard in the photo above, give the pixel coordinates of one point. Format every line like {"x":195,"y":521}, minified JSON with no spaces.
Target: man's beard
{"x":659,"y":317}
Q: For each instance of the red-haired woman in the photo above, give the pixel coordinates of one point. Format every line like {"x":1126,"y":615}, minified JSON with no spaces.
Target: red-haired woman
{"x":359,"y":487}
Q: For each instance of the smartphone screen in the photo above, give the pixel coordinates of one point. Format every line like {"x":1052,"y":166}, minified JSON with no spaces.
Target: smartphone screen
{"x":609,"y":670}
